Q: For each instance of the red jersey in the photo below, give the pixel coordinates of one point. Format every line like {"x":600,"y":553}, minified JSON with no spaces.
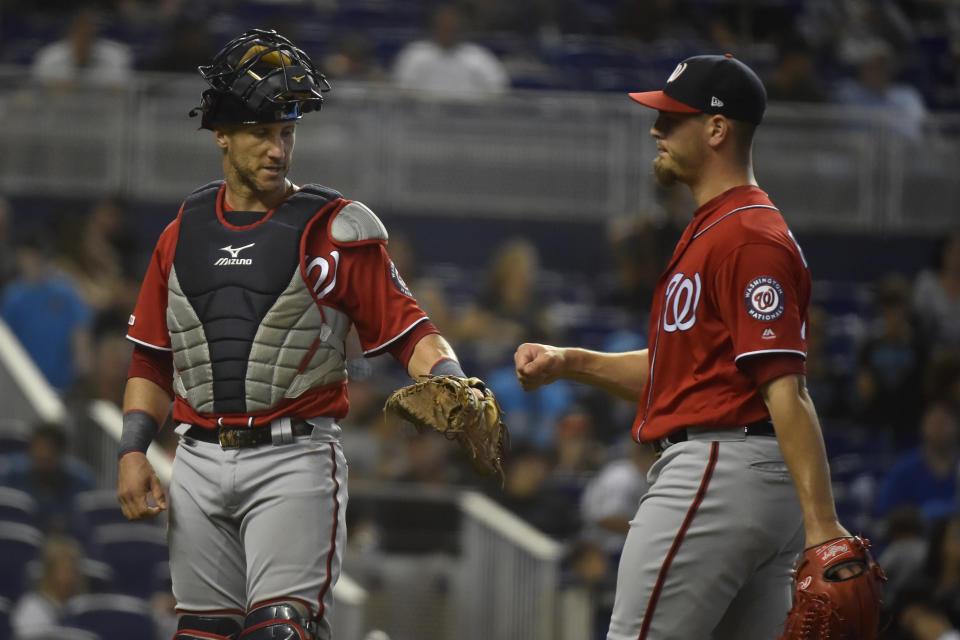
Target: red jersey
{"x":360,"y":280}
{"x":736,"y":287}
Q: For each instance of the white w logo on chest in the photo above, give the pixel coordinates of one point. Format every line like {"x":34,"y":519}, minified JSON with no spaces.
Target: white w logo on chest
{"x":680,"y":302}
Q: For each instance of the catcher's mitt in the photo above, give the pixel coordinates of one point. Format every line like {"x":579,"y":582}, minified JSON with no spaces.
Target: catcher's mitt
{"x":447,"y":404}
{"x":826,"y":606}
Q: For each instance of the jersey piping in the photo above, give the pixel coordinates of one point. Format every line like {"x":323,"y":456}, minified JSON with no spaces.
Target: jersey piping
{"x":716,"y":222}
{"x":147,"y":344}
{"x":386,"y":344}
{"x":755,"y":353}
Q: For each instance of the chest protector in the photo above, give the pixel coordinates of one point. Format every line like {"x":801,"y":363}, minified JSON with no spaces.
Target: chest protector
{"x":245,"y":329}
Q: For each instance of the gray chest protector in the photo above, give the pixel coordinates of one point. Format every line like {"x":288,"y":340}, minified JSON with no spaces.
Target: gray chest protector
{"x":245,"y":329}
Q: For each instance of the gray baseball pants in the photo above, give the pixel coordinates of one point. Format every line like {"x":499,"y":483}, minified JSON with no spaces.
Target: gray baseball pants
{"x":710,"y":552}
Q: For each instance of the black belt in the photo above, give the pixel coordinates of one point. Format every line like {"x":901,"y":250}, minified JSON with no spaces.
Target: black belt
{"x":242,"y":437}
{"x":758,"y":428}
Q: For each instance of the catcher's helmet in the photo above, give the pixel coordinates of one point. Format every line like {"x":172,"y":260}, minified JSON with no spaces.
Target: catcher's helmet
{"x":259,"y":77}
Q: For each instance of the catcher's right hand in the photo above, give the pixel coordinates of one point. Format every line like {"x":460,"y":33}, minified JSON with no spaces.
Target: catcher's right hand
{"x":453,"y":406}
{"x":827,"y":605}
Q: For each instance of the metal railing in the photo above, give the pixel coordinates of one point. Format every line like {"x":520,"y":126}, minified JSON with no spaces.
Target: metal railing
{"x":525,"y":155}
{"x":510,"y":578}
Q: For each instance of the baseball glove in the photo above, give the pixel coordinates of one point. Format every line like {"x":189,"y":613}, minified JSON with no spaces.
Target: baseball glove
{"x":826,"y":606}
{"x":447,"y":404}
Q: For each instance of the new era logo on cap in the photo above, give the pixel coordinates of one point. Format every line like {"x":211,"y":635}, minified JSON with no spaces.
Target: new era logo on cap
{"x":710,"y":84}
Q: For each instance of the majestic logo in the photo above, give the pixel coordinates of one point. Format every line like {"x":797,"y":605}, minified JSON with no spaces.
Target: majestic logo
{"x":768,"y":334}
{"x":676,"y":72}
{"x":680,"y":303}
{"x":327,"y":275}
{"x":233,"y":259}
{"x":764,"y":299}
{"x":715,"y":101}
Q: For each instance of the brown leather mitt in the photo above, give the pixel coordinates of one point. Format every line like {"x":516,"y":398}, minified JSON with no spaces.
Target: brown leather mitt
{"x":826,"y":606}
{"x":448,"y":405}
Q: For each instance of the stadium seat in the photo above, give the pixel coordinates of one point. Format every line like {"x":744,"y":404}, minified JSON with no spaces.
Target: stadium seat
{"x":65,"y":633}
{"x":111,"y":616}
{"x":17,"y":506}
{"x":136,"y":552}
{"x":14,"y":436}
{"x":20,"y":544}
{"x":5,"y":606}
{"x":97,"y":508}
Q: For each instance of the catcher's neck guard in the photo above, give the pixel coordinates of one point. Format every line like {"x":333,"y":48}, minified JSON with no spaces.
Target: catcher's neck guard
{"x":259,"y":77}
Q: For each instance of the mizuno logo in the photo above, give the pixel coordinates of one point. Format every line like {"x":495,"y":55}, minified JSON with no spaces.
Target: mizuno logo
{"x":233,"y":259}
{"x":299,"y":78}
{"x":234,"y":252}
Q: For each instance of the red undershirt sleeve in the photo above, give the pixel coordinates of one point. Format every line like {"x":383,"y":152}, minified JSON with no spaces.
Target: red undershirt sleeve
{"x":154,"y":365}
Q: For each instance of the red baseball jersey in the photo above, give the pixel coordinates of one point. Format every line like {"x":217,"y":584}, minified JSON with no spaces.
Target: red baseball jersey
{"x":737,"y":287}
{"x":362,"y":283}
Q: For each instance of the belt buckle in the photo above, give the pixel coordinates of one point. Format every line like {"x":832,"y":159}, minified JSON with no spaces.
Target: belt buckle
{"x":229,"y":438}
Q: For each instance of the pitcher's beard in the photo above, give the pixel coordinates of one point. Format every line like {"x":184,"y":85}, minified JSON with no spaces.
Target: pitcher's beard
{"x":665,"y":176}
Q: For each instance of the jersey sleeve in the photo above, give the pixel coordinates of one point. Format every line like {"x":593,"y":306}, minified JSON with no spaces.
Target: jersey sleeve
{"x":762,"y":292}
{"x":148,"y":322}
{"x":372,"y":293}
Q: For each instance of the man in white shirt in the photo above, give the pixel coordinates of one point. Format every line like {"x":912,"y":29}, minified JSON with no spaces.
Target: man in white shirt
{"x":444,"y":64}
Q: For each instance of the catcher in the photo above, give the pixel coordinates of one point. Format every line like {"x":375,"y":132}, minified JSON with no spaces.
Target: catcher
{"x":241,"y":321}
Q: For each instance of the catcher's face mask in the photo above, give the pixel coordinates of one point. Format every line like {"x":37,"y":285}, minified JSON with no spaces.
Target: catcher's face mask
{"x":259,"y":77}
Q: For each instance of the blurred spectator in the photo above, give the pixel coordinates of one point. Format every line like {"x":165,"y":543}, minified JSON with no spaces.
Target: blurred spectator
{"x":926,"y":477}
{"x":891,"y":364}
{"x":936,"y":295}
{"x":874,"y":87}
{"x":111,"y":357}
{"x":8,"y":264}
{"x":49,"y":475}
{"x":98,"y":251}
{"x":527,"y":492}
{"x":843,"y":29}
{"x":657,"y":20}
{"x":510,"y":309}
{"x":354,"y":58}
{"x":795,"y":78}
{"x":47,"y":315}
{"x":829,"y":388}
{"x":83,"y":58}
{"x":906,"y":547}
{"x":612,"y":496}
{"x":577,"y":451}
{"x":933,"y":591}
{"x":188,"y":45}
{"x":61,"y":577}
{"x":445,"y":64}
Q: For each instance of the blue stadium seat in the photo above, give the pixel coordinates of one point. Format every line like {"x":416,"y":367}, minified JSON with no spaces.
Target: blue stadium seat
{"x":136,"y":552}
{"x":111,"y":616}
{"x":17,"y":506}
{"x":14,"y":436}
{"x":5,"y":606}
{"x":20,"y":544}
{"x":96,"y":508}
{"x":65,"y":633}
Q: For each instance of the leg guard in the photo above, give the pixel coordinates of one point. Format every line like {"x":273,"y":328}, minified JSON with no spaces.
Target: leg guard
{"x":194,"y":627}
{"x":277,"y":621}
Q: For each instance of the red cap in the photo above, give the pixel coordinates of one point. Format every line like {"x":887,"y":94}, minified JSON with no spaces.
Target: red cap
{"x":662,"y":102}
